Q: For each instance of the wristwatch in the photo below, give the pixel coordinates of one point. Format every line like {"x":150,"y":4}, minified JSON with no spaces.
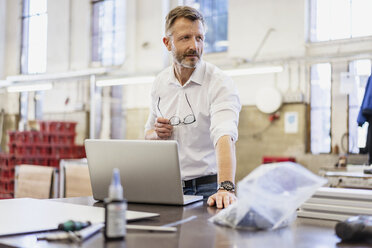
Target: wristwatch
{"x":226,"y":185}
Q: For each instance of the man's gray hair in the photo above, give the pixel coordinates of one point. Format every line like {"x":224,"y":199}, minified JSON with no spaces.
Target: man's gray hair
{"x":185,"y":12}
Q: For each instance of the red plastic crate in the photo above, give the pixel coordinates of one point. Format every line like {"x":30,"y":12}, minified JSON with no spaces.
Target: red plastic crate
{"x":7,"y":160}
{"x":79,"y":151}
{"x":42,"y":150}
{"x":270,"y":159}
{"x":11,"y":147}
{"x":40,"y":137}
{"x":44,"y":126}
{"x":6,"y":196}
{"x":41,"y":161}
{"x":53,"y":162}
{"x":25,"y":160}
{"x":62,"y":139}
{"x":57,"y":126}
{"x":12,"y":136}
{"x":6,"y":172}
{"x":34,"y":160}
{"x":27,"y":150}
{"x":24,"y":150}
{"x":58,"y":151}
{"x":3,"y":158}
{"x":23,"y":137}
{"x":28,"y":137}
{"x":6,"y":185}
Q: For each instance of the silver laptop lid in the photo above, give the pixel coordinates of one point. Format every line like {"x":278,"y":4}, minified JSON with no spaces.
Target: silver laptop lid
{"x":149,"y":170}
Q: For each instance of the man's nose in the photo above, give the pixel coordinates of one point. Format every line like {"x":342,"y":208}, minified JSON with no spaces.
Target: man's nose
{"x":193,"y":43}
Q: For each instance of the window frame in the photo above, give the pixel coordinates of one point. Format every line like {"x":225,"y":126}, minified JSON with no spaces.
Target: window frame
{"x":312,"y":18}
{"x":349,"y":63}
{"x":309,"y":133}
{"x":95,"y":51}
{"x":25,"y":37}
{"x":213,"y":38}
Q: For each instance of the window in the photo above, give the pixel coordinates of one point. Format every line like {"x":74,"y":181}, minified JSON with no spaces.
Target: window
{"x":108,"y":34}
{"x":339,"y":19}
{"x":361,"y":69}
{"x":34,"y":36}
{"x":320,"y":110}
{"x":215,"y":13}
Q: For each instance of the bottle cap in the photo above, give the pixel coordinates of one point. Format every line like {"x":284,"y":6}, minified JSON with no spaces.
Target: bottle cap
{"x":115,"y":189}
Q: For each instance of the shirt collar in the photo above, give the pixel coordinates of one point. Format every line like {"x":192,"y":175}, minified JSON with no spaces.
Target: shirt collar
{"x":196,"y":77}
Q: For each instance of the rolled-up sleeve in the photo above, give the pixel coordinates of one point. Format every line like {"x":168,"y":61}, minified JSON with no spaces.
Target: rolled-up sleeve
{"x":224,"y":110}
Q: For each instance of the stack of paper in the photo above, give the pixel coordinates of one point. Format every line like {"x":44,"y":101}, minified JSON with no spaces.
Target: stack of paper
{"x":337,"y":204}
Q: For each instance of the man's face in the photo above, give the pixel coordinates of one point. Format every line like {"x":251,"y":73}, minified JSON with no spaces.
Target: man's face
{"x":186,"y":42}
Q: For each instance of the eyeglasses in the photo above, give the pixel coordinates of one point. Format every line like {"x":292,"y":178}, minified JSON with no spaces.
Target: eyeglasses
{"x":175,"y":120}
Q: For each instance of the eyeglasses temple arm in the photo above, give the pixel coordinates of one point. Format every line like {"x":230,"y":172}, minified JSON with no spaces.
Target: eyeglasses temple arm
{"x":159,"y":108}
{"x":187,"y":99}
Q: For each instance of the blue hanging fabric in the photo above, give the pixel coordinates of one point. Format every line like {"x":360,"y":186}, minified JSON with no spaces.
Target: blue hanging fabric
{"x":366,"y":108}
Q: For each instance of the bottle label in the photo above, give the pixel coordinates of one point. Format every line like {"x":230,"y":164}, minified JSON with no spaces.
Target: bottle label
{"x":116,"y":220}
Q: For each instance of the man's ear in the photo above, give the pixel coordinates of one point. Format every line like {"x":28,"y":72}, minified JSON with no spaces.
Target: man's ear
{"x":167,"y":43}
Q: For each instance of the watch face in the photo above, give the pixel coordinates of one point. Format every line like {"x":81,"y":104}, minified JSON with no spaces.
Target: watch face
{"x":227,"y":185}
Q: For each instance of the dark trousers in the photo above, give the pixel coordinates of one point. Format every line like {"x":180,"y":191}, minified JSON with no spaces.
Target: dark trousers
{"x":204,"y":190}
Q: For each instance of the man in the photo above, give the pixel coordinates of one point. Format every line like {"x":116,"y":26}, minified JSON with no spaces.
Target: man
{"x":194,"y":103}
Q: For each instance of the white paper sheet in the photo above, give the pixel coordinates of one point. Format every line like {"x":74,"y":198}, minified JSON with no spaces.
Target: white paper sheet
{"x":25,"y":215}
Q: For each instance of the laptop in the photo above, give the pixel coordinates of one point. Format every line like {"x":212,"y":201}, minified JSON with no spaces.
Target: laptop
{"x":149,"y":170}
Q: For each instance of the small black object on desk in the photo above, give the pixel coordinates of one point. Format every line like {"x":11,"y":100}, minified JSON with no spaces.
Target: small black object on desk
{"x":355,"y":229}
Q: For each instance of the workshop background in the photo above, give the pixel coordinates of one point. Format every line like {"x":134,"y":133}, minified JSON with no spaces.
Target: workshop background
{"x":316,"y":55}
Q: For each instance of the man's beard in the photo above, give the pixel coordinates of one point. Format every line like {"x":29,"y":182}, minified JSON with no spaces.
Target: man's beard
{"x":181,"y":58}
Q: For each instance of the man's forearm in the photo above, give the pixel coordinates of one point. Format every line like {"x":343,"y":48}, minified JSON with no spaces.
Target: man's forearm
{"x":226,"y":160}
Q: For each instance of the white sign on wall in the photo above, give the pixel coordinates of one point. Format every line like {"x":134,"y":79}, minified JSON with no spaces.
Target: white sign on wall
{"x":291,"y":122}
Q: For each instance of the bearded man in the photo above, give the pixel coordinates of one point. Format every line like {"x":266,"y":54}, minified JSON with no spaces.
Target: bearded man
{"x":195,"y":103}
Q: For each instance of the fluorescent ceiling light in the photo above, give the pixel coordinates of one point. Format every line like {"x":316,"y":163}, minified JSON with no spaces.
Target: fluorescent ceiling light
{"x":29,"y":87}
{"x":4,"y":83}
{"x":150,"y":79}
{"x":57,"y":76}
{"x":253,"y":70}
{"x":126,"y":81}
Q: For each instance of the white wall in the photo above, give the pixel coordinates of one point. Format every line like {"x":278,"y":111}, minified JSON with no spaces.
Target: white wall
{"x":9,"y":49}
{"x":13,"y":37}
{"x":249,"y":21}
{"x":58,"y":50}
{"x":149,"y":25}
{"x":2,"y":36}
{"x":80,"y":33}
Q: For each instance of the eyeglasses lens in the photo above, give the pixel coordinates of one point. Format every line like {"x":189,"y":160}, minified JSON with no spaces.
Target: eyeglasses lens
{"x":189,"y":119}
{"x":174,"y":121}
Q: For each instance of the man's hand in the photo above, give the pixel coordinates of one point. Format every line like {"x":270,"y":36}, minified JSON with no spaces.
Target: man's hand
{"x":163,"y":128}
{"x":222,"y":199}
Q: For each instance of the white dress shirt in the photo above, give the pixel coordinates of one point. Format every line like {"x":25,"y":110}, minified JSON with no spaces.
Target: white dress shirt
{"x":214,"y":100}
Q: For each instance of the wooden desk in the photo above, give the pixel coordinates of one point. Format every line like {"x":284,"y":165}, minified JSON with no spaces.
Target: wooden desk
{"x":198,"y":232}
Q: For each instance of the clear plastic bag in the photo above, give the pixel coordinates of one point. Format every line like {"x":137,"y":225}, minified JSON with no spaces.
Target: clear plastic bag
{"x":269,"y":196}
